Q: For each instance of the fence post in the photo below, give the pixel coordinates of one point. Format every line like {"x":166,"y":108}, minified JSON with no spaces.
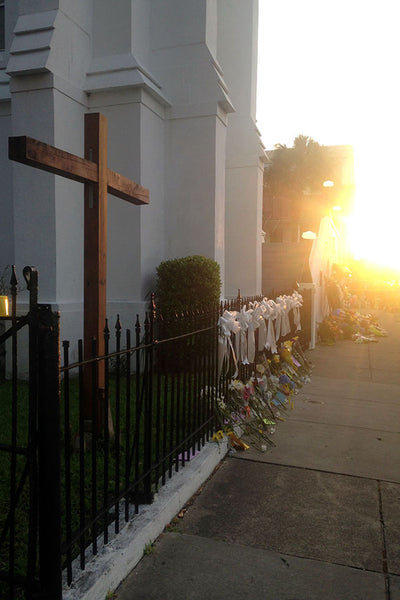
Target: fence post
{"x":239,"y":300}
{"x":31,"y":277}
{"x":148,"y":406}
{"x":49,"y":455}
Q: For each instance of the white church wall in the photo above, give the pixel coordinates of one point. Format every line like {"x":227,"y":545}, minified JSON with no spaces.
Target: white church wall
{"x":190,"y":196}
{"x":178,"y":23}
{"x":6,"y":204}
{"x":33,"y":191}
{"x":28,"y":7}
{"x":135,"y":233}
{"x":48,"y":225}
{"x":237,"y":52}
{"x":212,"y":26}
{"x":69,"y":202}
{"x":124,"y":219}
{"x":71,"y":44}
{"x":10,"y":18}
{"x":243,"y":230}
{"x":48,"y":62}
{"x":244,"y":167}
{"x":153,"y":216}
{"x":112,"y":28}
{"x":122,"y":87}
{"x":157,"y":79}
{"x":220,"y":195}
{"x":140,"y":21}
{"x":183,"y":59}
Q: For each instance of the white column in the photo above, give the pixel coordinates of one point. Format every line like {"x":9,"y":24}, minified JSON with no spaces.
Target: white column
{"x":238,"y":20}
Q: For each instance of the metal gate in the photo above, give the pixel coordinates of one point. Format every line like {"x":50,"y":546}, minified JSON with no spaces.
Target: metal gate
{"x":30,"y":563}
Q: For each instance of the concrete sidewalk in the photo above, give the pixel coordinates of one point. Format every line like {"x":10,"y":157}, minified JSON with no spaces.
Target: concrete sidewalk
{"x":316,"y":517}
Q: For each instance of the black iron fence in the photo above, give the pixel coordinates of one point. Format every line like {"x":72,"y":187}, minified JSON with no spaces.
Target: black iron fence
{"x":29,"y":516}
{"x":155,"y":413}
{"x":86,"y":443}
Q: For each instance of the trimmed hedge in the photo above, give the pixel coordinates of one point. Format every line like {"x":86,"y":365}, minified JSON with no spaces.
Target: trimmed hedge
{"x":186,"y":283}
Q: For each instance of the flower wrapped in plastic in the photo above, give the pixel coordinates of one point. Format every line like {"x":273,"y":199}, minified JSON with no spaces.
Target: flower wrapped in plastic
{"x":244,"y":408}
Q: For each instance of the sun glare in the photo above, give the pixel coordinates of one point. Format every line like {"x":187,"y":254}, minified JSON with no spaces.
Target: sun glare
{"x":346,"y":93}
{"x":373,"y":228}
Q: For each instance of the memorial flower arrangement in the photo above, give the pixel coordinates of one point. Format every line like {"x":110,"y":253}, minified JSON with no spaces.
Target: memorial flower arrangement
{"x":349,"y":324}
{"x":249,"y":410}
{"x":249,"y":414}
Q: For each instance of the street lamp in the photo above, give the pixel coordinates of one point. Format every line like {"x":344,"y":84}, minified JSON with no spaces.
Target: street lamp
{"x":308,"y":235}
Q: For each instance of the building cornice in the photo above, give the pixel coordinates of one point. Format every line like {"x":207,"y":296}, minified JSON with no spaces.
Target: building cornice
{"x":31,"y":46}
{"x":122,"y":72}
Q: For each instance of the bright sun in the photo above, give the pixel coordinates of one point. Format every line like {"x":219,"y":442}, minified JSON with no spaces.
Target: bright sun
{"x":373,"y":229}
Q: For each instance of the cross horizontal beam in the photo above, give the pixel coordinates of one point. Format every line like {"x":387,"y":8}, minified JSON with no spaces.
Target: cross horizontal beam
{"x":37,"y":154}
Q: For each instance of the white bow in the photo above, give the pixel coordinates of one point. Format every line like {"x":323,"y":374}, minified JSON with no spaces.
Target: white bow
{"x":284,"y":304}
{"x":227,"y":325}
{"x":246,"y":341}
{"x":244,"y":323}
{"x":271,"y":311}
{"x":297,"y":303}
{"x":259,"y":322}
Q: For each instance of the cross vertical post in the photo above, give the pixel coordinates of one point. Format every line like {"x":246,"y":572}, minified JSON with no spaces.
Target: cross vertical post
{"x":95,"y":254}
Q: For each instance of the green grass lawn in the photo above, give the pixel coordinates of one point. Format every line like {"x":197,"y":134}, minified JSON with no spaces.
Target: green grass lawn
{"x":106,"y":457}
{"x":21,"y":516}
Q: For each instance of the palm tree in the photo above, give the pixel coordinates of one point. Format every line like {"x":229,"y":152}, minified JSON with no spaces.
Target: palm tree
{"x":296,"y":174}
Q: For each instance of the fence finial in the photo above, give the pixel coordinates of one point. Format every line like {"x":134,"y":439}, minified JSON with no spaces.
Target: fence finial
{"x":31,"y":277}
{"x":106,"y":330}
{"x":13,"y":279}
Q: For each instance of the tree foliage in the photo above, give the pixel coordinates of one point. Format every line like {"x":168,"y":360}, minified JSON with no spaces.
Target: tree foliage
{"x":298,"y":170}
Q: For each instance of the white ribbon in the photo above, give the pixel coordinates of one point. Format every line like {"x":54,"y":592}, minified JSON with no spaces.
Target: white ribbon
{"x":271,"y":312}
{"x":259,"y":321}
{"x":227,"y":325}
{"x":297,"y":303}
{"x":284,"y":304}
{"x":244,"y":323}
{"x":245,"y":319}
{"x":254,"y":324}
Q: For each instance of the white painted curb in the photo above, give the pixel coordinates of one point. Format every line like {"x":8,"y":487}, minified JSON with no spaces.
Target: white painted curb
{"x":105,"y":571}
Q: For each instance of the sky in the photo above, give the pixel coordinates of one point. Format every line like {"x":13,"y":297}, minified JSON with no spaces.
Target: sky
{"x":330,"y":69}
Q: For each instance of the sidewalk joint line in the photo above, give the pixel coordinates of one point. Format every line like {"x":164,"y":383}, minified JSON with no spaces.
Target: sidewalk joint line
{"x":346,"y":399}
{"x":293,"y":418}
{"x":288,"y":466}
{"x":384,"y":550}
{"x":281,"y":554}
{"x":371,"y":373}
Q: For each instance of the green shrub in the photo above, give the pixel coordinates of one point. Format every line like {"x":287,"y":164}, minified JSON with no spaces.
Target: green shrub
{"x":186,"y":283}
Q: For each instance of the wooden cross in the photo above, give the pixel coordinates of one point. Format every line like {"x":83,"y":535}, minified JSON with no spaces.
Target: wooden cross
{"x":98,"y":180}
